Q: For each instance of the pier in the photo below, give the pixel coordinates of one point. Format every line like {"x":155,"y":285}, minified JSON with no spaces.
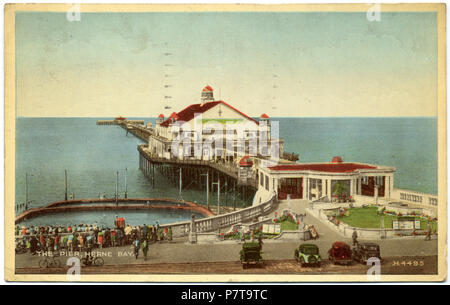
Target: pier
{"x":205,"y":175}
{"x":135,"y":127}
{"x":119,"y":122}
{"x":202,"y":174}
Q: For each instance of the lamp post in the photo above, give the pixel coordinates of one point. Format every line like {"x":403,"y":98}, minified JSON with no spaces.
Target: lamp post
{"x":65,"y":184}
{"x":181,"y":186}
{"x":26,"y":191}
{"x":207,"y":188}
{"x":126,"y":187}
{"x":218,"y":195}
{"x":117,"y":188}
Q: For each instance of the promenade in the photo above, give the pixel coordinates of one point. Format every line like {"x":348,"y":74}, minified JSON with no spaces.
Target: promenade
{"x":181,"y":253}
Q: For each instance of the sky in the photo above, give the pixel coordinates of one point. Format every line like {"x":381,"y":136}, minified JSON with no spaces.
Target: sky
{"x":299,"y":64}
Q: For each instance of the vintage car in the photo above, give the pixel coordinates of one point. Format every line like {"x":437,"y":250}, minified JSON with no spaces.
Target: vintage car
{"x":363,"y":251}
{"x":308,"y":254}
{"x":340,"y":253}
{"x":250,"y":253}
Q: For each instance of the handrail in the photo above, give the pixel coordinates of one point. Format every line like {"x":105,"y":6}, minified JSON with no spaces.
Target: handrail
{"x":222,"y":221}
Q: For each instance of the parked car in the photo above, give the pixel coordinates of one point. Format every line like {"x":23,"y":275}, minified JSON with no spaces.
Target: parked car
{"x":340,"y":253}
{"x":363,"y":251}
{"x":250,"y":254}
{"x":308,"y":254}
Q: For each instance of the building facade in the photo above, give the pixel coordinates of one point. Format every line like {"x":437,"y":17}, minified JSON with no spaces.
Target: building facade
{"x":213,"y":130}
{"x":336,"y":180}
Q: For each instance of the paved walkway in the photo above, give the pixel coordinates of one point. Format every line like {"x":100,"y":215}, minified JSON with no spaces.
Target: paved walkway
{"x":427,"y":265}
{"x":180,"y":251}
{"x":389,"y":247}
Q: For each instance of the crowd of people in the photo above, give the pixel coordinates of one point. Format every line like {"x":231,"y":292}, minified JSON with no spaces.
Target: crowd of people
{"x":85,"y":237}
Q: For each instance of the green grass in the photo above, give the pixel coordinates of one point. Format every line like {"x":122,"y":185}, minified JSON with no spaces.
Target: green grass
{"x":287,"y":225}
{"x":368,"y":218}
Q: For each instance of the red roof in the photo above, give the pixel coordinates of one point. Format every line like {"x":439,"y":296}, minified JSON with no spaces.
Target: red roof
{"x":323,"y":167}
{"x":246,"y":161}
{"x":340,"y":244}
{"x":208,"y":88}
{"x":264,"y":116}
{"x":337,"y":159}
{"x":161,"y":115}
{"x":188,"y":113}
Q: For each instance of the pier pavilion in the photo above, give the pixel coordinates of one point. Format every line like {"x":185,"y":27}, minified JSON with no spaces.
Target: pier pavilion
{"x":313,"y":181}
{"x":213,"y":130}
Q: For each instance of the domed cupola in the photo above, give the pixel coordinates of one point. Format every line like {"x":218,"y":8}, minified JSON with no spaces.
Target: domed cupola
{"x":207,"y":95}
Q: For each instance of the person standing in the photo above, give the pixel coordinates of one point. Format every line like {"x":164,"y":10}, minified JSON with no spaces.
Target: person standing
{"x":100,"y":239}
{"x":428,"y":237}
{"x":169,"y":234}
{"x":42,"y":242}
{"x":136,"y":245}
{"x":56,"y":242}
{"x":119,"y":234}
{"x":144,"y":231}
{"x":80,"y":242}
{"x":355,"y":238}
{"x":260,"y":242}
{"x":145,"y":248}
{"x":159,"y":234}
{"x":70,"y":242}
{"x":128,"y":230}
{"x":166,"y":233}
{"x":155,"y":238}
{"x":113,"y":237}
{"x":107,"y":237}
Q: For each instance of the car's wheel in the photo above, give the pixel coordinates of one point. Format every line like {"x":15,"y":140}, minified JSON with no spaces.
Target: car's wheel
{"x":43,"y":263}
{"x":56,"y":263}
{"x":302,"y":261}
{"x":99,"y":261}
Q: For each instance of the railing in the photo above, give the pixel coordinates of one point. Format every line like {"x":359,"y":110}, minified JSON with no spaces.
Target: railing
{"x":227,"y":169}
{"x":223,"y":221}
{"x":290,"y":156}
{"x":421,"y":199}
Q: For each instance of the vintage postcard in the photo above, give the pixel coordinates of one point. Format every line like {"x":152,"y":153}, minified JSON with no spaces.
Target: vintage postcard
{"x":218,"y":143}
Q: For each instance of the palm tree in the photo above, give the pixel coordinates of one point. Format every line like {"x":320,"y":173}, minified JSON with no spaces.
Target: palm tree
{"x":340,"y":189}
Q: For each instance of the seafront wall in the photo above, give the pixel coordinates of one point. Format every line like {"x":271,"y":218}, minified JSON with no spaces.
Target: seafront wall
{"x":179,"y":229}
{"x":346,"y":230}
{"x":416,"y":198}
{"x":224,"y":221}
{"x":110,"y":204}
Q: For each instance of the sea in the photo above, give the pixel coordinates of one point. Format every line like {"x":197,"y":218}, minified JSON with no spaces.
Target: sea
{"x":92,"y":154}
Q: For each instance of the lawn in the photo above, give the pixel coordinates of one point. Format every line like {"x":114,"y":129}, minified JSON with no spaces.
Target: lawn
{"x":368,"y":218}
{"x":287,"y":225}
